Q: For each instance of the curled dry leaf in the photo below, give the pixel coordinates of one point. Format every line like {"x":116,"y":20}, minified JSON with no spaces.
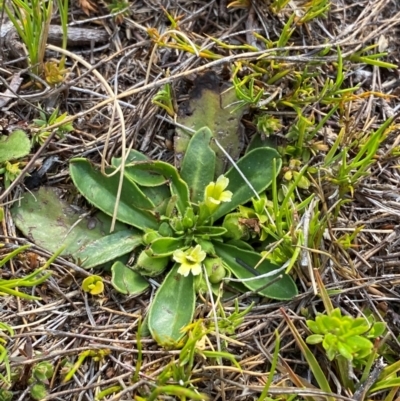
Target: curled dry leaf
{"x":87,"y":6}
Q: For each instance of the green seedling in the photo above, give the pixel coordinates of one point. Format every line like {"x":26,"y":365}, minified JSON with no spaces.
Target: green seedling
{"x":267,"y":124}
{"x":364,"y":56}
{"x":346,"y":241}
{"x":164,"y":99}
{"x":6,"y":395}
{"x":93,"y":284}
{"x":32,"y":21}
{"x":315,"y":9}
{"x":343,"y":171}
{"x":228,"y":324}
{"x":10,"y":171}
{"x":41,"y":373}
{"x":40,"y":125}
{"x":180,"y":370}
{"x":175,"y":39}
{"x":4,"y":358}
{"x":12,"y":147}
{"x":120,"y":9}
{"x":97,"y":355}
{"x":8,"y":286}
{"x":278,"y":5}
{"x":11,"y":287}
{"x":248,"y":93}
{"x":108,"y":391}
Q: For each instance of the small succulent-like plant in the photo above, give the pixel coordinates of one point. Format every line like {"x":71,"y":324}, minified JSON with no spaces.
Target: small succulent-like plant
{"x":41,"y":124}
{"x":344,"y":335}
{"x":41,"y":373}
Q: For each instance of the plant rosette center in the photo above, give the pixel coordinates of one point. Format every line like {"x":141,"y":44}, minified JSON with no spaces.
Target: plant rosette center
{"x":173,"y":221}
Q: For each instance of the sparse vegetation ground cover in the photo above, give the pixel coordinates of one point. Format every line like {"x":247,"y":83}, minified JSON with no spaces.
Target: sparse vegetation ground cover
{"x":131,"y":245}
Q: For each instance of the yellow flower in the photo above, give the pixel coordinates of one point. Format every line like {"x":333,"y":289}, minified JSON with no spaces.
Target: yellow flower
{"x":190,"y":260}
{"x":215,"y":193}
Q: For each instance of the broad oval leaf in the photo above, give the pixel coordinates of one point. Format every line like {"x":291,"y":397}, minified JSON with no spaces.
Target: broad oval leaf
{"x":108,"y":248}
{"x":257,"y":167}
{"x":126,"y":281}
{"x":172,"y":308}
{"x":177,"y":185}
{"x":283,"y":289}
{"x":198,"y":165}
{"x":101,"y":191}
{"x":141,"y":177}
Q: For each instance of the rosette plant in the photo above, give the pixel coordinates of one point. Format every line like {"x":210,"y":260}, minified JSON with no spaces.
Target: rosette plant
{"x":178,"y":231}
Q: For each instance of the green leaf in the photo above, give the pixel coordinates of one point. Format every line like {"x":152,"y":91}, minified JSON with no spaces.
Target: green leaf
{"x":210,"y":231}
{"x":159,"y":196}
{"x":344,"y":350}
{"x":198,"y":165}
{"x":261,"y":141}
{"x":108,"y":248}
{"x":282,"y":289}
{"x":172,"y":308}
{"x":165,"y":246}
{"x":257,"y":167}
{"x":126,"y":281}
{"x":314,"y":339}
{"x":50,"y":222}
{"x":141,"y":177}
{"x":177,"y":185}
{"x":240,"y":244}
{"x":101,"y":191}
{"x":38,"y":391}
{"x":14,"y":146}
{"x":377,"y":330}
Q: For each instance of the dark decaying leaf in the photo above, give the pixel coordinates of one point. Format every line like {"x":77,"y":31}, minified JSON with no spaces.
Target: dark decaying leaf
{"x":211,"y":104}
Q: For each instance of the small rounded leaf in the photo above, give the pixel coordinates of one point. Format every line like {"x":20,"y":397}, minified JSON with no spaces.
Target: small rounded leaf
{"x":38,"y":391}
{"x":93,"y":284}
{"x":314,"y":339}
{"x":149,"y":265}
{"x":215,"y":270}
{"x":127,"y":281}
